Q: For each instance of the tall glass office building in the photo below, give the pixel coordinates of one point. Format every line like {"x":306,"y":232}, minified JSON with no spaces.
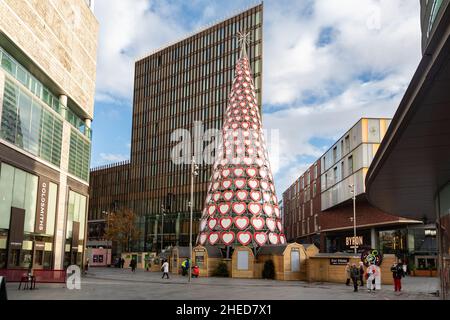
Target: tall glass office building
{"x":175,"y":86}
{"x":47,"y":81}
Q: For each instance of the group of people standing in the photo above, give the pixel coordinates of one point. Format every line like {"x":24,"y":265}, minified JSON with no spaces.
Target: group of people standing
{"x":185,"y":269}
{"x":357,"y":274}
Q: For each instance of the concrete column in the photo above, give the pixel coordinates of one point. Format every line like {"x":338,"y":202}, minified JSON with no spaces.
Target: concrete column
{"x":87,"y":123}
{"x":63,"y":102}
{"x":63,"y":194}
{"x":373,"y":239}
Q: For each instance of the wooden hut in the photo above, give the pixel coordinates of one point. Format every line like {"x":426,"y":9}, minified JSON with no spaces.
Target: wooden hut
{"x":206,"y":258}
{"x":243,"y":263}
{"x":330,"y":267}
{"x":289,"y":261}
{"x":177,"y":256}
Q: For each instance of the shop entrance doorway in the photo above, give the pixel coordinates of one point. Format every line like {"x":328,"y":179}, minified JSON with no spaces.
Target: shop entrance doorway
{"x":38,"y":255}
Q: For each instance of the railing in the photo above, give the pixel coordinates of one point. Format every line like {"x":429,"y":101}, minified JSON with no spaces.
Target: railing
{"x":43,"y":276}
{"x":13,"y":275}
{"x":50,"y":276}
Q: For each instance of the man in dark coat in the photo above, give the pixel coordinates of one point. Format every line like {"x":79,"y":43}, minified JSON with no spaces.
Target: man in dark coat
{"x":398,"y":273}
{"x":133,"y":265}
{"x":354,"y":272}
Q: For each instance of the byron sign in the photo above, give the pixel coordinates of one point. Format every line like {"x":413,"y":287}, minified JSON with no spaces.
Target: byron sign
{"x":42,"y":204}
{"x":354,"y":241}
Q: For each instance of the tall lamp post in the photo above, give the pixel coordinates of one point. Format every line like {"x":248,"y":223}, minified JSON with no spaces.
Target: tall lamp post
{"x":162,"y":226}
{"x":352,"y":187}
{"x":106,"y":213}
{"x":194,"y":173}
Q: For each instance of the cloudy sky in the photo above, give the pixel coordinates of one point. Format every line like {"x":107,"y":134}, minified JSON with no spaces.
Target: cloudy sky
{"x":327,"y":63}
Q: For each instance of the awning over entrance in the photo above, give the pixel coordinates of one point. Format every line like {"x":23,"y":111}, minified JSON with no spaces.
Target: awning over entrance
{"x":413,"y":161}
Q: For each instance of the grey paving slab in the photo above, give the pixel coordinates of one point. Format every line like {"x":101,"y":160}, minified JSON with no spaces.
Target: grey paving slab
{"x":122,"y":284}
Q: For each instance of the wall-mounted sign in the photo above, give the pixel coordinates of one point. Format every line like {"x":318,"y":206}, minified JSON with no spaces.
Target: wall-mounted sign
{"x":371,"y":256}
{"x":16,"y":226}
{"x":354,"y":241}
{"x":338,"y":261}
{"x":41,"y":211}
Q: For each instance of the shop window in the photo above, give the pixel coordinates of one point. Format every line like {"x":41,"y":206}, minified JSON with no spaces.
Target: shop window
{"x":347,"y":144}
{"x":295,"y":261}
{"x":350,"y":164}
{"x":242,"y":260}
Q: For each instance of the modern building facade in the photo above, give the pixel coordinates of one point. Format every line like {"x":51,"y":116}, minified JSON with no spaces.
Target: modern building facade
{"x":47,"y":83}
{"x":319,"y":205}
{"x":410,"y":173}
{"x":184,"y":85}
{"x":302,"y":207}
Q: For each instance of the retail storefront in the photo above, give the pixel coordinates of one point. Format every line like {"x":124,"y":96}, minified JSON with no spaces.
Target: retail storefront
{"x":415,"y":244}
{"x":28,"y":217}
{"x":443,"y":200}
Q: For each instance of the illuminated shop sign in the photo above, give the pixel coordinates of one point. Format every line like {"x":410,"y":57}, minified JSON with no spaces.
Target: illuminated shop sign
{"x":354,"y":241}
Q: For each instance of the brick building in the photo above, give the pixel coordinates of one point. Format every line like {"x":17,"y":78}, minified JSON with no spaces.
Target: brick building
{"x":318,"y":206}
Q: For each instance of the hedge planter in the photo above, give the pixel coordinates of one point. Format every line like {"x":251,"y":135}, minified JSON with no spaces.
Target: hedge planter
{"x":424,"y":273}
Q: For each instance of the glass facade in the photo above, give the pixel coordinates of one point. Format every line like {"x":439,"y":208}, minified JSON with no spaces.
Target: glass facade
{"x":76,"y":213}
{"x":79,"y":155}
{"x":11,"y":66}
{"x":28,"y":124}
{"x":435,"y":7}
{"x":19,"y":189}
{"x":39,"y":91}
{"x":174,"y":87}
{"x":32,"y":120}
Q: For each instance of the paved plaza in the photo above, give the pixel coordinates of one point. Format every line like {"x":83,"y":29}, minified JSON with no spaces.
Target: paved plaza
{"x":122,"y":284}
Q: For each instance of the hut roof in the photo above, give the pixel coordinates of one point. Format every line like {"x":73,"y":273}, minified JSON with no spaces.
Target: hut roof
{"x":213,"y":252}
{"x":273,"y":249}
{"x":183,"y":252}
{"x":307,"y":245}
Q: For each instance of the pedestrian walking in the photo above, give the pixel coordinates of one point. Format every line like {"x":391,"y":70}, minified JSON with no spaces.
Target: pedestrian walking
{"x":361,"y":273}
{"x":86,"y":266}
{"x":397,"y":274}
{"x":354,"y":271}
{"x":370,"y":276}
{"x":185,"y":267}
{"x":122,"y":262}
{"x":347,"y":273}
{"x":165,"y":269}
{"x":133,"y":265}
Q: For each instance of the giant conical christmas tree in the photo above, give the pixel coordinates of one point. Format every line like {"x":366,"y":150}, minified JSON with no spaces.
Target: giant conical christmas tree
{"x":241,"y":206}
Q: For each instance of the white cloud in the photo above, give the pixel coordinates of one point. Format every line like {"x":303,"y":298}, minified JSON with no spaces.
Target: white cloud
{"x":129,"y":29}
{"x":112,"y":158}
{"x":379,"y":38}
{"x":310,"y":90}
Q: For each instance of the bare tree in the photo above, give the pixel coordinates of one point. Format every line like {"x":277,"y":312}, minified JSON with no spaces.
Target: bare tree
{"x":121,"y":228}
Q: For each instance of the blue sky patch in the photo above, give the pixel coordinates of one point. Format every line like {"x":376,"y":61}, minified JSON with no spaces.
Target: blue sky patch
{"x":326,"y":36}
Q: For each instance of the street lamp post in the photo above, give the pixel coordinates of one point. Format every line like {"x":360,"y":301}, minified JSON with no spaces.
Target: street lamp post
{"x":352,"y":186}
{"x":106,"y":213}
{"x":162,"y":227}
{"x":194,"y":172}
